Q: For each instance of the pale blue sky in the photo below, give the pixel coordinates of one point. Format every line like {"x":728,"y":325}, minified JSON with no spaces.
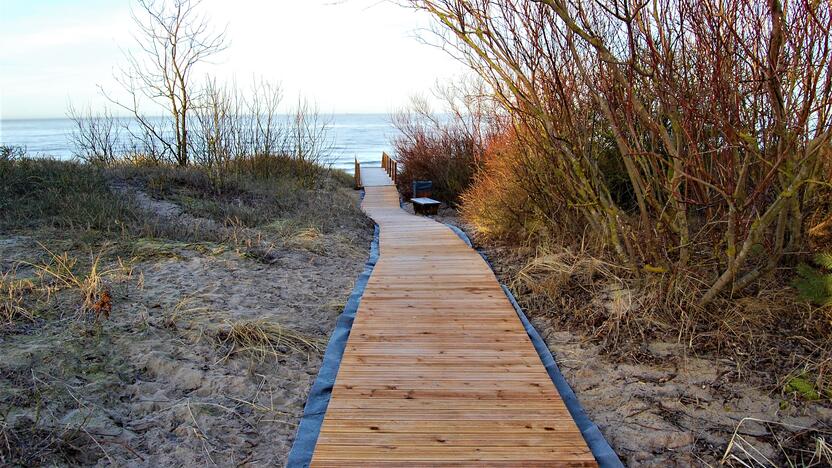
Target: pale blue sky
{"x":348,"y":56}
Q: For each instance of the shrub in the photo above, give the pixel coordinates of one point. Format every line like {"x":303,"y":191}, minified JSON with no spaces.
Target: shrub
{"x":446,"y":157}
{"x":444,"y":148}
{"x":493,"y":204}
{"x":652,"y":130}
{"x":684,"y":145}
{"x":11,"y":153}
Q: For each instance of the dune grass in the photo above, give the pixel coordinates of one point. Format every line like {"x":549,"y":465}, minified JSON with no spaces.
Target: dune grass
{"x":59,"y":194}
{"x":250,"y":194}
{"x":263,"y":339}
{"x":76,"y":210}
{"x":92,"y":281}
{"x":75,"y":318}
{"x":79,"y":198}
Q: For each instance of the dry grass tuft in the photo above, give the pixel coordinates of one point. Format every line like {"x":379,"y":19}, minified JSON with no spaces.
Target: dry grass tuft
{"x":292,"y":232}
{"x":798,"y":446}
{"x":310,"y":238}
{"x":575,"y":287}
{"x":63,"y":271}
{"x":263,"y":339}
{"x":13,"y":293}
{"x":148,"y":248}
{"x":550,"y":270}
{"x":184,"y":314}
{"x":308,"y":234}
{"x":767,"y":334}
{"x":337,"y":305}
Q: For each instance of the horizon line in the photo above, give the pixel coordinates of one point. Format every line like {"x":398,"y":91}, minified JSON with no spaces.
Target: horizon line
{"x":66,"y":117}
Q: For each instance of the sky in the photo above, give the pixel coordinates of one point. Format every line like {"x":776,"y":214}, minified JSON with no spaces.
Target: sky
{"x":360,"y":56}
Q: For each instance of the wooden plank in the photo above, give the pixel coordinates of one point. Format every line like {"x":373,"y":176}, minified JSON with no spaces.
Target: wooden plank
{"x":456,"y":439}
{"x":443,"y":426}
{"x":438,"y":369}
{"x":373,"y":391}
{"x":416,"y":454}
{"x":426,"y":404}
{"x":339,"y":463}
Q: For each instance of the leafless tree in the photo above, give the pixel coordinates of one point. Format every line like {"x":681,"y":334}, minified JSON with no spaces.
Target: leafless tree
{"x":263,"y":107}
{"x":444,"y":144}
{"x":95,"y":137}
{"x":308,"y":140}
{"x":216,"y":113}
{"x":230,"y":124}
{"x":173,"y":38}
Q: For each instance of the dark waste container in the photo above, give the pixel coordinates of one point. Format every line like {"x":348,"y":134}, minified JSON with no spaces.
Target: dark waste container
{"x":422,"y":188}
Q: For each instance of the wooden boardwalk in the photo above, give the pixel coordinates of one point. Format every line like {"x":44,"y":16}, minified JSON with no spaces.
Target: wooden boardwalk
{"x":438,"y":369}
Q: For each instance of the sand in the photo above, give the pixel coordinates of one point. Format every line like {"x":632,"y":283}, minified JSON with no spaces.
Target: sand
{"x":154,"y":385}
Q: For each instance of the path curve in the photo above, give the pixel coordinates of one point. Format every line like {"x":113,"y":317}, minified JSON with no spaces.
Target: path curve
{"x":438,"y":369}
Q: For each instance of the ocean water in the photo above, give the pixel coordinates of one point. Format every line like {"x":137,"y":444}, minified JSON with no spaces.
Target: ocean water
{"x":362,"y":136}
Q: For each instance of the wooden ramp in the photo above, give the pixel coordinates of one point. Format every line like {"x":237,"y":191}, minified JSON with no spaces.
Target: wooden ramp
{"x":438,"y":369}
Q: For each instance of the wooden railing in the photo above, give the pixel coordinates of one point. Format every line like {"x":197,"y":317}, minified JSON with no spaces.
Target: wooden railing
{"x":390,"y":165}
{"x":357,"y":174}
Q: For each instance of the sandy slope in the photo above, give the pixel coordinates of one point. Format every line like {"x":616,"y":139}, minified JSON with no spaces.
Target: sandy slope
{"x":155,"y":385}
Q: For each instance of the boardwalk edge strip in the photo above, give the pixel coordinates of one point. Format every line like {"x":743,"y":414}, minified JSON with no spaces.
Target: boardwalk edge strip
{"x":601,"y":449}
{"x":321,"y":391}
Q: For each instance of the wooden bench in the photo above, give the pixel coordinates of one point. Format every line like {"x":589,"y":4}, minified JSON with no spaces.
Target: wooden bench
{"x":425,"y":206}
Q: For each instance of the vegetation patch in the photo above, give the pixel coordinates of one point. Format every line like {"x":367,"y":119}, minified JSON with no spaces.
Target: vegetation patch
{"x":629,"y":197}
{"x":149,"y":248}
{"x":123,"y":310}
{"x":802,"y":387}
{"x":263,"y":339}
{"x":815,"y":283}
{"x":60,"y":195}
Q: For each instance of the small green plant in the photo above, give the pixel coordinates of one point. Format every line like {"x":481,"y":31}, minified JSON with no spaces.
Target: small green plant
{"x":815,"y":283}
{"x":803,"y":386}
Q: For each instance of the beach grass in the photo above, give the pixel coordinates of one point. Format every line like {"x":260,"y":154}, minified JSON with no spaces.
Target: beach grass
{"x":158,"y":280}
{"x":59,"y":194}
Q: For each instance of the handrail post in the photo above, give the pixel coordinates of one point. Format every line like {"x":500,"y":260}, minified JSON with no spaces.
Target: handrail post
{"x":357,"y":174}
{"x":389,"y":165}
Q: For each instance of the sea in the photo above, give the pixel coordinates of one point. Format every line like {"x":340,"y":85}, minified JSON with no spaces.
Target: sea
{"x":362,"y":136}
